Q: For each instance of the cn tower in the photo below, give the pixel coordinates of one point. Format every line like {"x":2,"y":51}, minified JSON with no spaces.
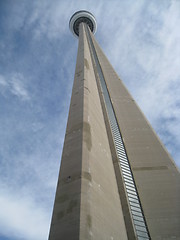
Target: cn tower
{"x":116,"y":180}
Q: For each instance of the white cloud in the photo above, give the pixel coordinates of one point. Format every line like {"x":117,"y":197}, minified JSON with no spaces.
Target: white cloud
{"x":15,"y":83}
{"x":17,"y":86}
{"x":3,"y":82}
{"x":22,"y":218}
{"x":47,"y":19}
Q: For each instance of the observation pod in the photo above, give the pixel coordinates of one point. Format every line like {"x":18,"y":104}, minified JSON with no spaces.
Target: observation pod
{"x":79,"y":17}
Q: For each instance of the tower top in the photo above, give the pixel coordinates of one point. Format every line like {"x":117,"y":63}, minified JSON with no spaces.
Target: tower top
{"x":82,"y":16}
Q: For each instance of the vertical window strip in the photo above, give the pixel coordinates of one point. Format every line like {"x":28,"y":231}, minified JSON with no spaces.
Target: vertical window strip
{"x":120,"y":148}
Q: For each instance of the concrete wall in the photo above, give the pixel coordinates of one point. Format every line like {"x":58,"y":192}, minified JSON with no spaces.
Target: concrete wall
{"x":87,"y":203}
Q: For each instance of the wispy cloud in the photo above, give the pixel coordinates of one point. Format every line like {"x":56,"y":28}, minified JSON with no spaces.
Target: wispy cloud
{"x":20,"y":216}
{"x":3,"y":82}
{"x":15,"y":84}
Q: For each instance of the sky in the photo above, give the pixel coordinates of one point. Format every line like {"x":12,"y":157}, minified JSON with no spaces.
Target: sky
{"x":37,"y":64}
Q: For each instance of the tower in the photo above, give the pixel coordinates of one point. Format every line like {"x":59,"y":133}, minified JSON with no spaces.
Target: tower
{"x":116,"y":179}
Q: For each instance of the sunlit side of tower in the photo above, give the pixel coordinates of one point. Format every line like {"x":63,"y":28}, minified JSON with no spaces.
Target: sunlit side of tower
{"x":116,"y":179}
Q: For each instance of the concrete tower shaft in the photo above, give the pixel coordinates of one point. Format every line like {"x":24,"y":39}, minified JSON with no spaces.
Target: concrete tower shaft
{"x":87,"y":193}
{"x":116,"y":180}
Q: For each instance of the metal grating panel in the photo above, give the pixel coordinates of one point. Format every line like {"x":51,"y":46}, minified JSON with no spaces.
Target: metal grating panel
{"x":134,"y":202}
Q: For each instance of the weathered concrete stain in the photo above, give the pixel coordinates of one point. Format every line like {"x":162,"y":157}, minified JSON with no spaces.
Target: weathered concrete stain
{"x":73,"y":178}
{"x":86,"y":132}
{"x":62,"y":198}
{"x":87,"y":89}
{"x":89,"y":221}
{"x":75,"y":127}
{"x":87,"y":176}
{"x":60,"y":215}
{"x":80,"y":71}
{"x":86,"y":64}
{"x":71,"y":206}
{"x":87,"y":135}
{"x":150,"y":168}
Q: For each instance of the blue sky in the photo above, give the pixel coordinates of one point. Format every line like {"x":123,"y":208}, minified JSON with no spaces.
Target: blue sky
{"x":37,"y":63}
